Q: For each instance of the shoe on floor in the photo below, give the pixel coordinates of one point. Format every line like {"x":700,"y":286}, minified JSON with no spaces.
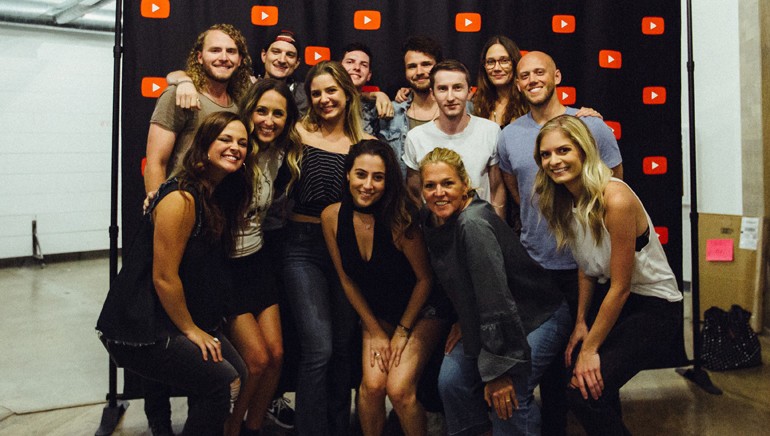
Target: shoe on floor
{"x":281,"y":413}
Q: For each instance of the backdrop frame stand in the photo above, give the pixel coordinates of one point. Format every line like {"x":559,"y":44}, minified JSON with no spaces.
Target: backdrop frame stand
{"x":696,"y":374}
{"x":115,"y":408}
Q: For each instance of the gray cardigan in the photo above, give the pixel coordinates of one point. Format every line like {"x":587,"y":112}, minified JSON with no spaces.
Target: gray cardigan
{"x":499,"y":293}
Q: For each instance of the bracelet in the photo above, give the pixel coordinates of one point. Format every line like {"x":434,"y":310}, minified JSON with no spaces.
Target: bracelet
{"x":408,"y":331}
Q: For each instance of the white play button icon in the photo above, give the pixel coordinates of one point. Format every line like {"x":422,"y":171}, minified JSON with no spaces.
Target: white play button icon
{"x":653,"y":25}
{"x":468,"y":22}
{"x":563,"y":24}
{"x":155,"y":7}
{"x":564,"y":95}
{"x":653,"y":95}
{"x":316,"y":56}
{"x":367,"y":20}
{"x":265,"y":15}
{"x":610,"y":59}
{"x":155,"y":87}
{"x":654,"y":165}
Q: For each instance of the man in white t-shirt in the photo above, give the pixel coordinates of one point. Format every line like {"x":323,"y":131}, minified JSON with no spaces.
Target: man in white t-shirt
{"x":473,"y":138}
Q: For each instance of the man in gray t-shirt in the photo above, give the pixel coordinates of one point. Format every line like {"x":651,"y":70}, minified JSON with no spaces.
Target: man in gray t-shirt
{"x":536,"y":79}
{"x":218,"y":67}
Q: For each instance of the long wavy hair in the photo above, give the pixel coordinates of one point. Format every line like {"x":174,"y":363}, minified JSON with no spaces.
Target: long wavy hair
{"x":394,"y":209}
{"x":241,"y":78}
{"x":288,"y":141}
{"x":353,"y":124}
{"x":486,"y":92}
{"x":224,"y":205}
{"x":555,"y":201}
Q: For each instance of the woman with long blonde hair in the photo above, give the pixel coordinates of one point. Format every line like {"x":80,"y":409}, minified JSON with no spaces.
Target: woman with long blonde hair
{"x":323,"y":316}
{"x":614,"y":243}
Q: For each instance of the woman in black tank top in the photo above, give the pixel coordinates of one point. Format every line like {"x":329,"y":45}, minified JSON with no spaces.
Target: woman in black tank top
{"x":381,"y":259}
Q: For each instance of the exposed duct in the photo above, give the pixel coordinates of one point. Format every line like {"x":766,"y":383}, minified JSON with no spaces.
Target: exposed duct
{"x":94,"y":15}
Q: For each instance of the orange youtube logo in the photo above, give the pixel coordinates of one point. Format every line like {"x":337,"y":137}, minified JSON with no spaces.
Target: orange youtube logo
{"x":615,"y":127}
{"x":610,"y":59}
{"x":314,"y":54}
{"x":653,"y":25}
{"x":662,"y":234}
{"x":367,"y":20}
{"x":655,"y":165}
{"x":153,"y":87}
{"x":567,"y":94}
{"x":654,"y":95}
{"x":468,"y":22}
{"x":563,"y":24}
{"x":155,"y":8}
{"x":264,"y":15}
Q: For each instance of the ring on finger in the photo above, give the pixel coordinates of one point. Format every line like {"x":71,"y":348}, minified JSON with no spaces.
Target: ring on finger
{"x":216,"y":340}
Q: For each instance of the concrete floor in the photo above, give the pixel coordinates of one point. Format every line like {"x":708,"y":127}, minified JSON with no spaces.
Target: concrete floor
{"x":53,"y":370}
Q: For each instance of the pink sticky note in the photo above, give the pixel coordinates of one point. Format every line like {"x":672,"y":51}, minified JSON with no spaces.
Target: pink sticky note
{"x":719,"y":250}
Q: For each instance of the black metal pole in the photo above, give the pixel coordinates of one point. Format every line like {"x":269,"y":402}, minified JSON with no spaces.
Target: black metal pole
{"x":114,"y":409}
{"x":696,"y":374}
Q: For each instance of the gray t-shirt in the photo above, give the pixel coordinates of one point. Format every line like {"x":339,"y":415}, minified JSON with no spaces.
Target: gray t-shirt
{"x":183,"y":122}
{"x":515,"y":149}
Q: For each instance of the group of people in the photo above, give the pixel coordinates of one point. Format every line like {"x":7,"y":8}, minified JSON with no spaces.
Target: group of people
{"x":390,"y":221}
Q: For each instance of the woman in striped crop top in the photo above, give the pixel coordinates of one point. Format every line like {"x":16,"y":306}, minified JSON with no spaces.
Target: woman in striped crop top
{"x":323,"y":316}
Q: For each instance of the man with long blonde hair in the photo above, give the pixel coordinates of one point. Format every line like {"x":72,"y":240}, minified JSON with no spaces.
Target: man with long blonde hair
{"x":219,"y":66}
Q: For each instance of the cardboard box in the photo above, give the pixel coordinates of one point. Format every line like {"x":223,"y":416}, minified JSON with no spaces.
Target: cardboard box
{"x":723,"y":284}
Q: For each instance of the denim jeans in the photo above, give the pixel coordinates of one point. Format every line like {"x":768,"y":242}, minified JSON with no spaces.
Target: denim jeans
{"x":178,"y":363}
{"x":553,"y":396}
{"x":325,"y":323}
{"x":462,"y":390}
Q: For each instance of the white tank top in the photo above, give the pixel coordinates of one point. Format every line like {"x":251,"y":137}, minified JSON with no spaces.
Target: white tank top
{"x":652,"y":275}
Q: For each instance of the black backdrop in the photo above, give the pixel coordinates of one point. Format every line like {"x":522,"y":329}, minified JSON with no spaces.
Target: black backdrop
{"x":643,"y":37}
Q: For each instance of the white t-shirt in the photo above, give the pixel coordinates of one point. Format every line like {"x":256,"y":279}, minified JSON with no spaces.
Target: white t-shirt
{"x":477,"y":145}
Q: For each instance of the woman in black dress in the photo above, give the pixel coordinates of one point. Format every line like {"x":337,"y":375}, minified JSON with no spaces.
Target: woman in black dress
{"x":381,"y":259}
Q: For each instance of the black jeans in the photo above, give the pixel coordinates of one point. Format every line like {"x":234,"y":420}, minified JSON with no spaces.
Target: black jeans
{"x":643,"y":336}
{"x":178,"y":363}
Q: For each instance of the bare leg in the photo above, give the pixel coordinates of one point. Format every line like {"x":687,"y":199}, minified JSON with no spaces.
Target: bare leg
{"x":249,"y":339}
{"x":403,"y":379}
{"x":371,"y":394}
{"x":270,"y":323}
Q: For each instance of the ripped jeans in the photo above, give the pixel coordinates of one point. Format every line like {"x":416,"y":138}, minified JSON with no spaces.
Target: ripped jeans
{"x":210,"y":386}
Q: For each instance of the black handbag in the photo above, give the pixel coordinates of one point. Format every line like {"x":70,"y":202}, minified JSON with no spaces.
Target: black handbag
{"x":728,"y":340}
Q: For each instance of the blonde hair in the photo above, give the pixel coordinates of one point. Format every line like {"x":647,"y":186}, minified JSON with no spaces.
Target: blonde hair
{"x":556,"y":202}
{"x":451,"y":158}
{"x":353,"y":125}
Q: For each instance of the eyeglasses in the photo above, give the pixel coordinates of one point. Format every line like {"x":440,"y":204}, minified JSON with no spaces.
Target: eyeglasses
{"x":504,"y":61}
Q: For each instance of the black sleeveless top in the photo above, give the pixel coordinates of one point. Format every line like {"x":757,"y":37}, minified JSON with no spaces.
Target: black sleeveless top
{"x":132,"y":313}
{"x":387,"y":279}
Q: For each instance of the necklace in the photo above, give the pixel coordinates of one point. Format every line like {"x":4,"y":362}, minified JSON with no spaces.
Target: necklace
{"x":431,"y":117}
{"x":367,"y":225}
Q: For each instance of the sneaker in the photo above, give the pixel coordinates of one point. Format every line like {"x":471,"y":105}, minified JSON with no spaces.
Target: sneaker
{"x":281,"y":413}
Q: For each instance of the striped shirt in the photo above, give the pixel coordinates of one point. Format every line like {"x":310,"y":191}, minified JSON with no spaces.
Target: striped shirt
{"x":320,"y":183}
